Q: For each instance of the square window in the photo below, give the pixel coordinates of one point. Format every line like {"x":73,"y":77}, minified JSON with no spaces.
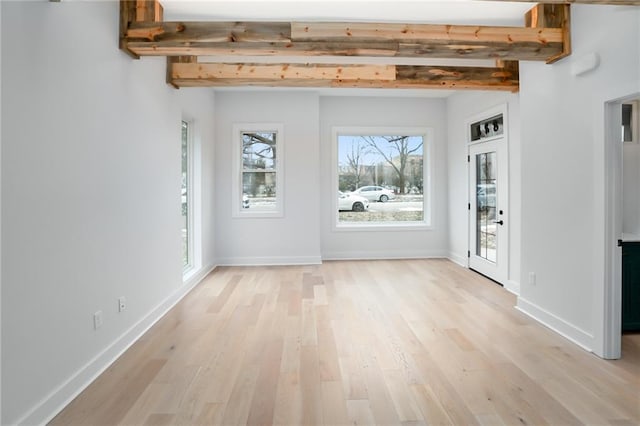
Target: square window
{"x":382,"y":177}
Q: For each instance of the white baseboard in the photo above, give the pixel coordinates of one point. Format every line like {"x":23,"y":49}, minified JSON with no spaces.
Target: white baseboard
{"x":367,"y":255}
{"x":560,"y":326}
{"x":270,"y":261}
{"x":53,"y":403}
{"x":513,"y":287}
{"x":459,"y":259}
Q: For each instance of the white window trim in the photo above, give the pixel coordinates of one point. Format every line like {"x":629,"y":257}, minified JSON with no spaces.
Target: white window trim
{"x":195,"y":207}
{"x":427,"y":134}
{"x":236,"y":184}
{"x":190,"y":195}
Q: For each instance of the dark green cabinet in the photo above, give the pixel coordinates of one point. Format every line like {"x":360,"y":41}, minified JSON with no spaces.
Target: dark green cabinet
{"x":631,"y":286}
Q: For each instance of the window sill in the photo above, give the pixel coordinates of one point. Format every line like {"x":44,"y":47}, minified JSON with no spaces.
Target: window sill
{"x":383,"y":227}
{"x":188,"y":273}
{"x":257,"y":215}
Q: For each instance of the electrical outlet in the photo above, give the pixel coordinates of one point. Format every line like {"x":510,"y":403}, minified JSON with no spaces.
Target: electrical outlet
{"x":97,"y":320}
{"x":122,"y":304}
{"x":532,"y":278}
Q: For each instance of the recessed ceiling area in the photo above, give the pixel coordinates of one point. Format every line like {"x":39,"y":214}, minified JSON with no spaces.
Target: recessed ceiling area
{"x":424,"y":11}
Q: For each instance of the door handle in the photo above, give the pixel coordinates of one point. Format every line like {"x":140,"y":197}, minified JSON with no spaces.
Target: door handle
{"x":499,"y":222}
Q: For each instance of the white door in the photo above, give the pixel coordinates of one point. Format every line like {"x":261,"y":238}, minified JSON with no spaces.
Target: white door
{"x":488,"y":216}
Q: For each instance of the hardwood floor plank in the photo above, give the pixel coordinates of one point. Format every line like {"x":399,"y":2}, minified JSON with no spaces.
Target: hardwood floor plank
{"x":310,"y":386}
{"x":222,"y":299}
{"x":432,"y":410}
{"x":160,"y":419}
{"x":263,"y":403}
{"x":309,"y":327}
{"x":327,"y":354}
{"x":288,"y":404}
{"x":334,"y":404}
{"x":403,"y":342}
{"x":211,"y":414}
{"x":359,"y":412}
{"x":237,"y":408}
{"x":382,"y":406}
{"x":405,"y":405}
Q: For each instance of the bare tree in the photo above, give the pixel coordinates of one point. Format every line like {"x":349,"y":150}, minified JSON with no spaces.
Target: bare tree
{"x":398,"y":145}
{"x":260,"y":145}
{"x":355,"y":160}
{"x":258,"y":160}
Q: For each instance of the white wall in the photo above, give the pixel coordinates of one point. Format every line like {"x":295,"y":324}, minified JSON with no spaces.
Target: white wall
{"x":381,"y":112}
{"x":461,"y":107}
{"x":631,"y":189}
{"x":90,"y":198}
{"x":563,"y":194}
{"x":293,"y":238}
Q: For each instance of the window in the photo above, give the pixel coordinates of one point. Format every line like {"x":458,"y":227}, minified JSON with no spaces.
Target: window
{"x":382,"y":177}
{"x":630,"y":121}
{"x":258,"y":178}
{"x":186,"y":197}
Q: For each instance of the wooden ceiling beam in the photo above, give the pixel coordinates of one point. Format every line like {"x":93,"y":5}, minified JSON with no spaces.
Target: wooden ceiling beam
{"x":193,"y":74}
{"x":471,"y":50}
{"x":343,"y":39}
{"x":419,"y":33}
{"x":282,"y":71}
{"x":137,"y":11}
{"x":556,"y":16}
{"x":142,"y":33}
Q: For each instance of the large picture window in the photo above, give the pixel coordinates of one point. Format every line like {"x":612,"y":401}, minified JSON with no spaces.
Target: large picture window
{"x":382,"y":177}
{"x":258,"y":180}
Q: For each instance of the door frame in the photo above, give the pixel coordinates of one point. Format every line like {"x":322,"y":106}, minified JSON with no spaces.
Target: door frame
{"x":612,"y":289}
{"x":485,"y":114}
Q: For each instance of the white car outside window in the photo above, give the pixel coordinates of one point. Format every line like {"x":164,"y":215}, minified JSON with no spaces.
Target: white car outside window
{"x":352,"y":202}
{"x":375,"y":193}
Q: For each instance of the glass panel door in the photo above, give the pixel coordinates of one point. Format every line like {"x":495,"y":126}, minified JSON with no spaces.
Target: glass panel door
{"x":488,"y":223}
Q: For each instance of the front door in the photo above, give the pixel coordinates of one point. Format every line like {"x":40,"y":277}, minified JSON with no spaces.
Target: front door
{"x":488,"y":218}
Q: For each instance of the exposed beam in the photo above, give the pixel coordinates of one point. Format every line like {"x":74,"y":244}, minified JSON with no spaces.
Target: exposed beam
{"x":507,"y":51}
{"x":343,"y":39}
{"x":314,"y":75}
{"x":545,"y":37}
{"x":137,"y":11}
{"x":552,"y":16}
{"x":186,"y":71}
{"x":149,"y":11}
{"x":172,"y":60}
{"x":418,"y":33}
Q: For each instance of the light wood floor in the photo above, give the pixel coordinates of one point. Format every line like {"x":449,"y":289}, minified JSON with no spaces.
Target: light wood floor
{"x":358,"y":342}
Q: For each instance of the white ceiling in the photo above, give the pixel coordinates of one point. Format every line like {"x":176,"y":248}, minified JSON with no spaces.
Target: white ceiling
{"x":410,"y":11}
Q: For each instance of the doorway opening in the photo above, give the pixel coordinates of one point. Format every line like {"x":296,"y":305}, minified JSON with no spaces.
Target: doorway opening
{"x":488,"y":163}
{"x":622,"y":211}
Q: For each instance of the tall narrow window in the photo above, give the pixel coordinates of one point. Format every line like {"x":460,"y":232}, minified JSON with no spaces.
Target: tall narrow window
{"x":258,"y":181}
{"x":382,"y":177}
{"x":186,"y":196}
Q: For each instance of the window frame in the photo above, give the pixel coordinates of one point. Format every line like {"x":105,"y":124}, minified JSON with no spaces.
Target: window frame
{"x":186,"y":268}
{"x":427,"y":134}
{"x":237,"y":183}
